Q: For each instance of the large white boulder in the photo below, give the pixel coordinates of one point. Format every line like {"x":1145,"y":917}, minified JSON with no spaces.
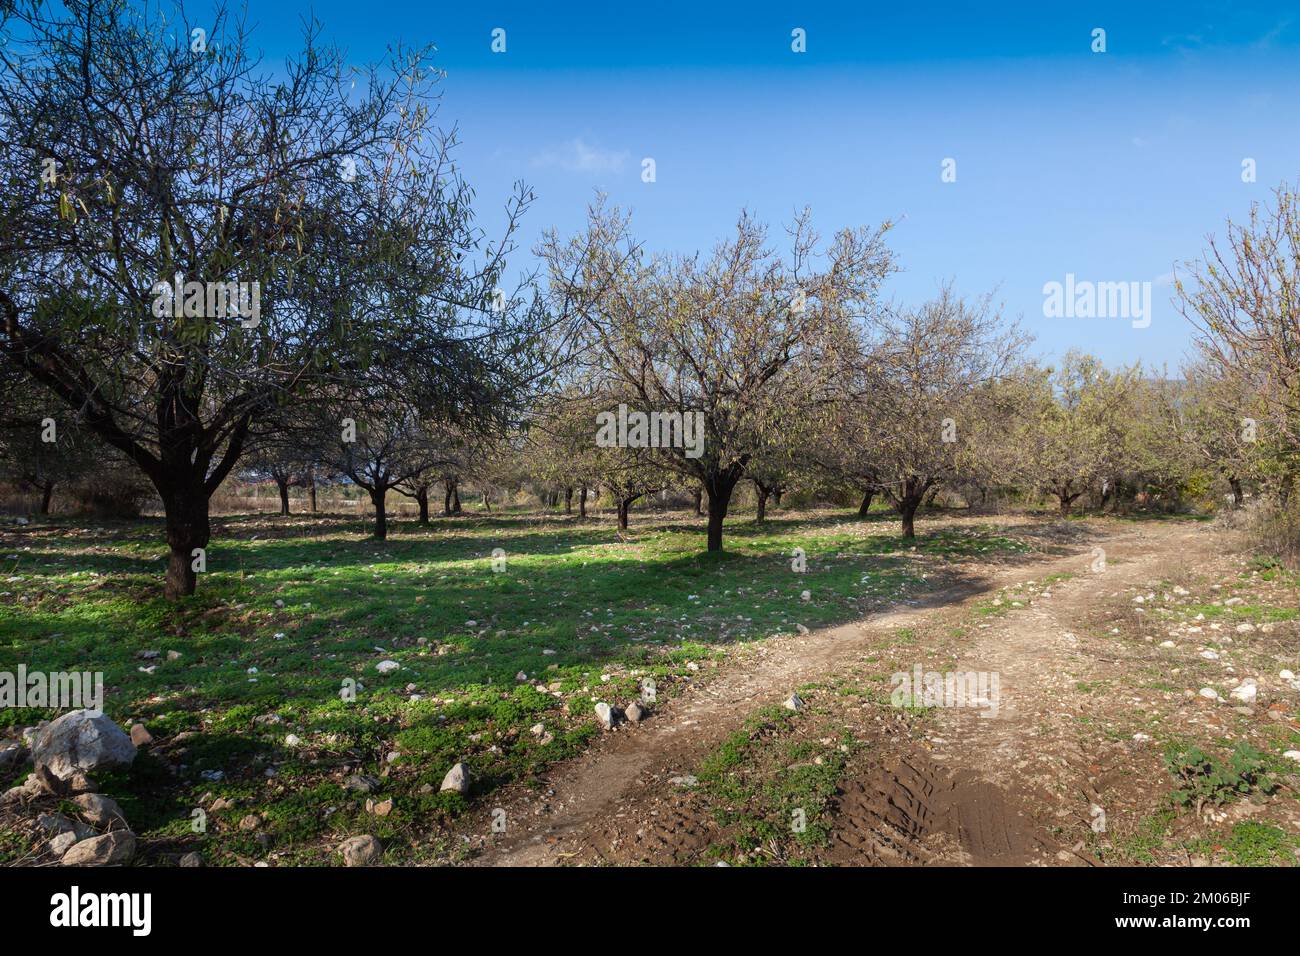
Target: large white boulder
{"x":81,"y":741}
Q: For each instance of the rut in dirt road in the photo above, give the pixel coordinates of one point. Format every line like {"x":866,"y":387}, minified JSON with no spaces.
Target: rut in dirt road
{"x":885,"y":820}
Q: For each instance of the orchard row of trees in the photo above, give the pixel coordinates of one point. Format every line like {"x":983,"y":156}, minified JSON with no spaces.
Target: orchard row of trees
{"x":136,"y":147}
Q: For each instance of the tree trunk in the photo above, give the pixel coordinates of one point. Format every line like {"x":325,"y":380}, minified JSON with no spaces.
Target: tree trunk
{"x":487,"y":505}
{"x":929,"y":501}
{"x":719,"y":489}
{"x":1238,"y":496}
{"x":865,"y":507}
{"x":568,"y":500}
{"x":776,"y":496}
{"x":47,"y":492}
{"x":311,"y":491}
{"x":760,"y":513}
{"x":186,"y":510}
{"x":582,"y":502}
{"x":623,"y":505}
{"x":909,"y":499}
{"x":907,"y":508}
{"x":381,"y":518}
{"x":1066,"y":500}
{"x":699,"y":502}
{"x":283,"y":485}
{"x":455,"y":498}
{"x":422,"y":499}
{"x":446,"y":499}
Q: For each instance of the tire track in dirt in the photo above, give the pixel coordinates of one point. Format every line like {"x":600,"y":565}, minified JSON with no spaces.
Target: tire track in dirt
{"x":557,"y":823}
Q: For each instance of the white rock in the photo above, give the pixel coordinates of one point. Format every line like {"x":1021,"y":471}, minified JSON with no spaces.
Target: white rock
{"x":387,"y":667}
{"x":607,"y":715}
{"x":1245,"y":692}
{"x":1209,"y":693}
{"x":794,"y":702}
{"x":457,"y":779}
{"x":81,"y":741}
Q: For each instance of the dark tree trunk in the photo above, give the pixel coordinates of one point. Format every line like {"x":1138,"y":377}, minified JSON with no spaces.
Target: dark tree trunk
{"x":446,"y":499}
{"x":455,"y":498}
{"x":1066,"y":500}
{"x":47,"y":492}
{"x":422,"y":499}
{"x":907,"y":508}
{"x":760,"y":513}
{"x":487,"y":505}
{"x":283,"y":485}
{"x":311,"y":491}
{"x":1238,"y":495}
{"x":568,"y":500}
{"x":719,"y":488}
{"x":776,"y":496}
{"x":929,"y":501}
{"x":582,"y":502}
{"x":186,"y":510}
{"x":699,"y":502}
{"x":865,"y":507}
{"x":908,"y":501}
{"x":623,"y":505}
{"x":381,"y":518}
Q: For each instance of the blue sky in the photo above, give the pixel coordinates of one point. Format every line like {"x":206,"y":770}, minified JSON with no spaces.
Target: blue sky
{"x":1112,"y":166}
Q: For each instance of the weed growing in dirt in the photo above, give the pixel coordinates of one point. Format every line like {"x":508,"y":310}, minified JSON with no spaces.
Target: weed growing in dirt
{"x":1202,"y":779}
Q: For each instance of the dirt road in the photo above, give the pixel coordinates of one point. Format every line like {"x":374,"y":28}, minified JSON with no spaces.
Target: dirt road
{"x":975,"y":790}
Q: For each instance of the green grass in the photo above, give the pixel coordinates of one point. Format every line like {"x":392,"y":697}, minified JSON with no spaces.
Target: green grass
{"x":770,"y":789}
{"x":1252,"y":843}
{"x":312,"y":604}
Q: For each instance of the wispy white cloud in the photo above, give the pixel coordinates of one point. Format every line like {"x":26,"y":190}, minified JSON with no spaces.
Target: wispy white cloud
{"x":577,"y":155}
{"x":1266,"y":41}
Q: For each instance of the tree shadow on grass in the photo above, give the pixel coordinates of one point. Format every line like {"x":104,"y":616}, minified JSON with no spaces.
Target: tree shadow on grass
{"x":455,"y":622}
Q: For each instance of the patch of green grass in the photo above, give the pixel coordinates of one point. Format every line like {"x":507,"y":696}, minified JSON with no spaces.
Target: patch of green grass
{"x":770,"y":786}
{"x":1252,"y":843}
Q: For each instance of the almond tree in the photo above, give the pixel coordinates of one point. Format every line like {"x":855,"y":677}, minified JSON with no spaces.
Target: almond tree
{"x":1074,"y":432}
{"x":1216,"y":420}
{"x":138,"y":149}
{"x":932,"y":372}
{"x":715,"y":335}
{"x":39,"y":451}
{"x":385,"y":448}
{"x":1243,"y":297}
